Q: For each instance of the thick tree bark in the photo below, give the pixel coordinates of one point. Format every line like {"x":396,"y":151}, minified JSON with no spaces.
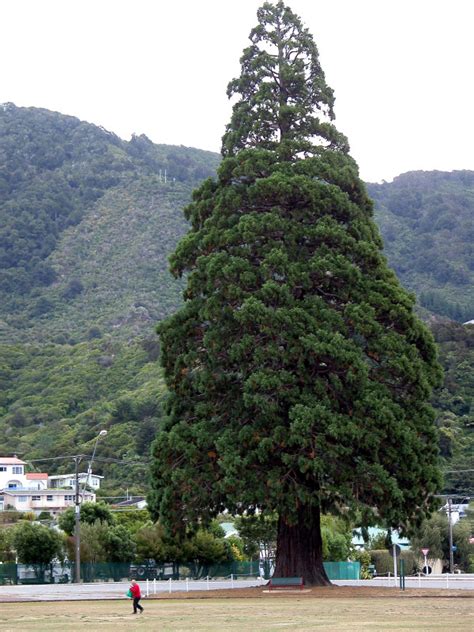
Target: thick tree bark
{"x":300,"y":548}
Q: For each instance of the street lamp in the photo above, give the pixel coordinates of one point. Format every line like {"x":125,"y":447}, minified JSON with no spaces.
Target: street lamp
{"x":77,"y":522}
{"x":102,"y":433}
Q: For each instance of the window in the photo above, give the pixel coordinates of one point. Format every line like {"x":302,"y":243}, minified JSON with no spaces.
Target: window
{"x":3,"y":468}
{"x":49,"y":498}
{"x":22,"y":499}
{"x":36,"y":498}
{"x":17,"y":469}
{"x":69,"y":497}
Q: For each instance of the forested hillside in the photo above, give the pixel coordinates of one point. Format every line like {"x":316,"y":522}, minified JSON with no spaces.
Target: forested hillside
{"x":427,"y":223}
{"x":454,"y":402}
{"x":71,"y":194}
{"x":87,"y":222}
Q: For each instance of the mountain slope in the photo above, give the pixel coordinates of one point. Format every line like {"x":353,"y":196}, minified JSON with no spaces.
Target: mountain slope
{"x":87,"y":221}
{"x":111,"y":269}
{"x":427,"y":223}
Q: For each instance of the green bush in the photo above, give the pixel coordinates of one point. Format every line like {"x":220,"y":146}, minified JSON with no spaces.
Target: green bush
{"x":383,"y":562}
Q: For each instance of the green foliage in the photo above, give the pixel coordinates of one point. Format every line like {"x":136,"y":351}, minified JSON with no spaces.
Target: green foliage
{"x":258,"y":533}
{"x":132,"y":519}
{"x":380,"y":541}
{"x":7,"y":549}
{"x":204,"y":548}
{"x":152,"y":543}
{"x":36,"y":544}
{"x":282,"y":90}
{"x":383,"y":561}
{"x":454,"y":405}
{"x":337,"y":537}
{"x":299,"y":376}
{"x":434,"y":534}
{"x":94,"y":197}
{"x":90,"y":514}
{"x":426,"y":222}
{"x":119,"y":545}
{"x":363,"y":557}
{"x":56,"y":396}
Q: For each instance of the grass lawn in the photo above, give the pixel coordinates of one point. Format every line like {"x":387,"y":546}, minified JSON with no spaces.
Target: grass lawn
{"x":243,"y":615}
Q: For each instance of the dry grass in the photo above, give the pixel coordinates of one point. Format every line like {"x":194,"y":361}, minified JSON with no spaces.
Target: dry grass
{"x":277,"y":612}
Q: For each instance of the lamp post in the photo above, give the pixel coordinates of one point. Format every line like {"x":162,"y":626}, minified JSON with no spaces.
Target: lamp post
{"x":450,"y":519}
{"x":102,"y":433}
{"x":77,"y":517}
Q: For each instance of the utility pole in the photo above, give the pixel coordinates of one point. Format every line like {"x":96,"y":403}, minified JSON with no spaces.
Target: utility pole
{"x":77,"y":524}
{"x":450,"y":522}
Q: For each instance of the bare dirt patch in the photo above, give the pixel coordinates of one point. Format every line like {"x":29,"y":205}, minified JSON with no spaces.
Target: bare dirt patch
{"x":318,"y":592}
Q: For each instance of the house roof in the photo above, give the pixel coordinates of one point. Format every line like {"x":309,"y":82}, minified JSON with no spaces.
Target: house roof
{"x":58,"y":477}
{"x":357,"y":539}
{"x":36,"y":476}
{"x":11,"y":460}
{"x":131,"y":502}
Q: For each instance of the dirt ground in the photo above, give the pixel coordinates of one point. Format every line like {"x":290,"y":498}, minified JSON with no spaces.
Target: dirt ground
{"x":320,"y":592}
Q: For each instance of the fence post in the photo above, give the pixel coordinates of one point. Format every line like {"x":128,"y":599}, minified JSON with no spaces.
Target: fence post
{"x":169,"y":585}
{"x":187,"y":584}
{"x":154,"y":585}
{"x":147,"y":588}
{"x":232,"y":580}
{"x":447,"y":580}
{"x":207,"y":582}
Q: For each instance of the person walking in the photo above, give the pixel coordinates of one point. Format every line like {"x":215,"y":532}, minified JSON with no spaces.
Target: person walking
{"x":136,"y":596}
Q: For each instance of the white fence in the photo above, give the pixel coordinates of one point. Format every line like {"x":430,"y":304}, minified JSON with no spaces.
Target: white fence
{"x":463,"y":581}
{"x":153,"y":587}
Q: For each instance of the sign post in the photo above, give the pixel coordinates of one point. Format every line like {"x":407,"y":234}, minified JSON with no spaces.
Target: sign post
{"x":394,"y":551}
{"x":425,"y":553}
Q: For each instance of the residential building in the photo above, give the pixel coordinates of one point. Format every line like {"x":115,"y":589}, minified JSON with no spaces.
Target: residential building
{"x":12,"y":473}
{"x":53,"y":501}
{"x":37,"y":492}
{"x":68,"y":481}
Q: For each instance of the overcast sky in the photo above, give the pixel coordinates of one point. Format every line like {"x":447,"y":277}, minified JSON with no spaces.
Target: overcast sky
{"x":402,"y":70}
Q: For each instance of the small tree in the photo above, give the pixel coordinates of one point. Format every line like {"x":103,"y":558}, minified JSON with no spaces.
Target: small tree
{"x":204,"y":549}
{"x":7,"y":552}
{"x":37,"y":545}
{"x":90,"y":513}
{"x":118,"y":543}
{"x":258,"y":534}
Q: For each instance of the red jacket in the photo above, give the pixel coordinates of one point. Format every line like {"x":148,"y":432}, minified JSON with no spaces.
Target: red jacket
{"x":135,"y":590}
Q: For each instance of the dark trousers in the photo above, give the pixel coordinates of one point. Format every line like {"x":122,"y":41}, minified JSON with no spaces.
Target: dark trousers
{"x":136,"y":605}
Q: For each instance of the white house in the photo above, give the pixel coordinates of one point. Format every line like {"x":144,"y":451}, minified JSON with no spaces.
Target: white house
{"x":53,"y":501}
{"x":36,"y":491}
{"x":12,"y":473}
{"x":36,"y":480}
{"x":68,"y":481}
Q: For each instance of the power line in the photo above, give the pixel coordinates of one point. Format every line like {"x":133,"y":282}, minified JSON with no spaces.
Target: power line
{"x":86,"y":456}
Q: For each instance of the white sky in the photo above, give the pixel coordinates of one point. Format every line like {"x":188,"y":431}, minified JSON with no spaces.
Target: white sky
{"x":402,"y":70}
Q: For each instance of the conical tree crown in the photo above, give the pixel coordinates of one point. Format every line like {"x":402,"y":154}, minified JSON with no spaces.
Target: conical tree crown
{"x":299,"y":376}
{"x":285,"y":103}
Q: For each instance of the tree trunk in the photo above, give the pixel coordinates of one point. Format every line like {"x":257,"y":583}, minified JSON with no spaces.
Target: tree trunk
{"x":300,"y":548}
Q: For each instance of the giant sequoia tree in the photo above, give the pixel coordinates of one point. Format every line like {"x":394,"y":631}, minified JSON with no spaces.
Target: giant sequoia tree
{"x":298,"y":374}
